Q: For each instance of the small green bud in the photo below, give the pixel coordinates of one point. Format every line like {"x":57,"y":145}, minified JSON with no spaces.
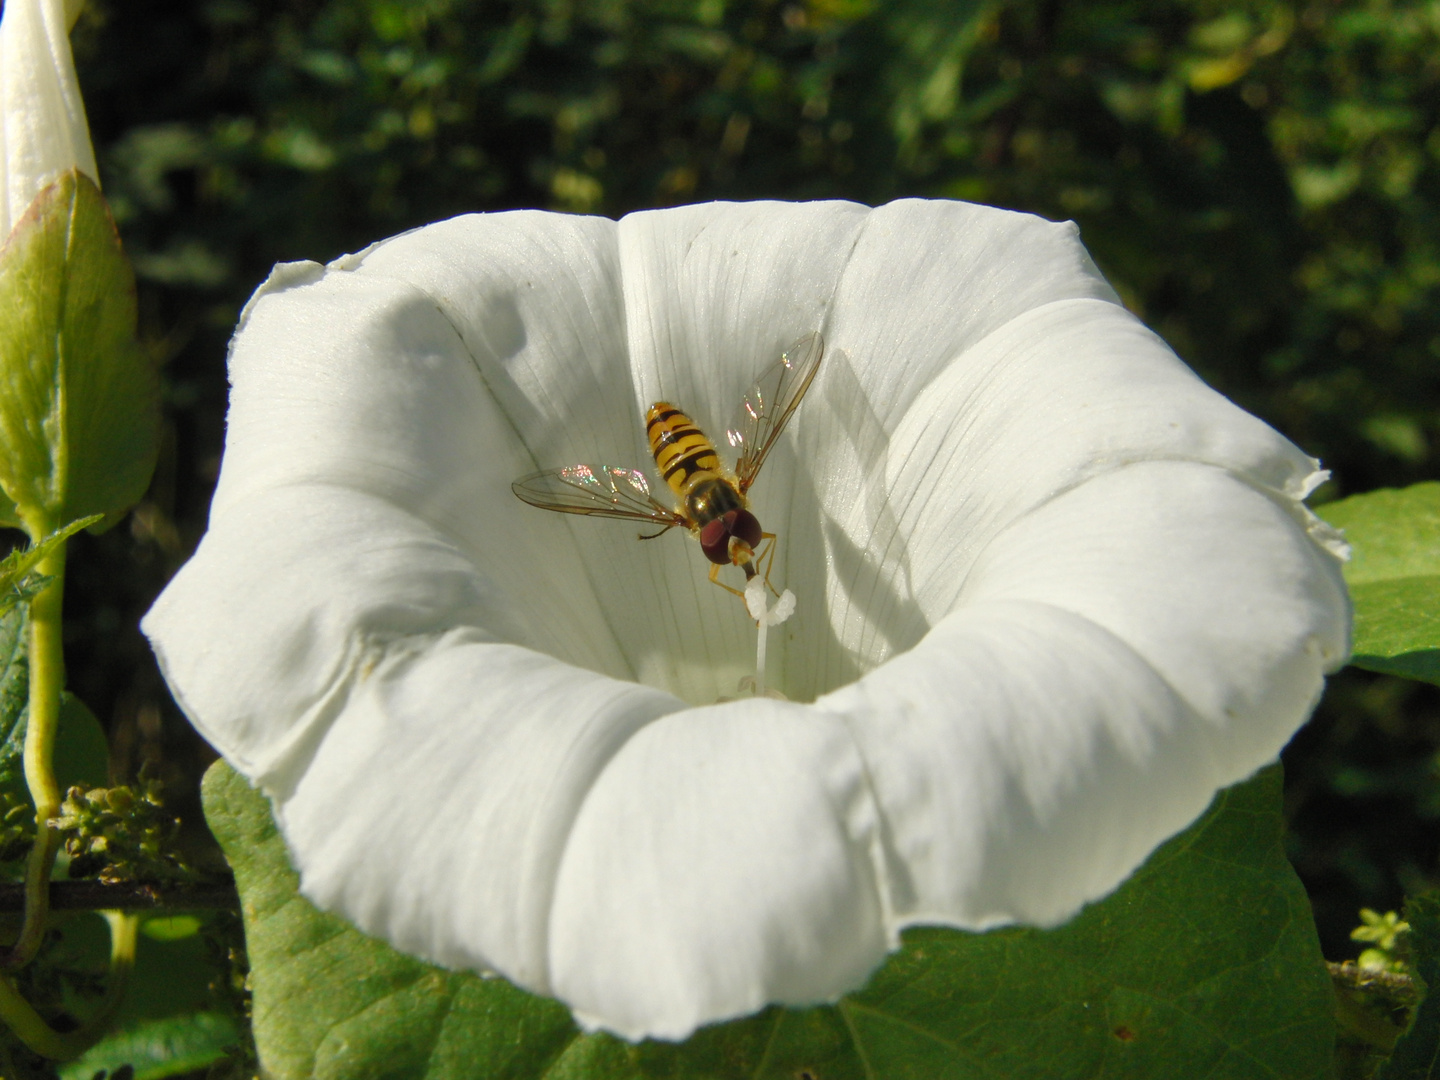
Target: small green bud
{"x":1387,"y":934}
{"x":116,"y":835}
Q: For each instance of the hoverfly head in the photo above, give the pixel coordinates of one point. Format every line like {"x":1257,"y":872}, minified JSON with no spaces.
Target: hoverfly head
{"x":731,"y":538}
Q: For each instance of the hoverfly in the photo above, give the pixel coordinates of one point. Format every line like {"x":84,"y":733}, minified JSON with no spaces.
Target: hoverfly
{"x":712,"y":500}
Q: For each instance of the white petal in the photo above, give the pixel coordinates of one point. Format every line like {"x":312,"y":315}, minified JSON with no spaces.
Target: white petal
{"x":1065,"y":392}
{"x":927,"y":280}
{"x":305,"y":587}
{"x":1117,"y":656}
{"x":366,"y":380}
{"x":454,"y":773}
{"x":725,"y":859}
{"x":42,"y":119}
{"x":715,"y":292}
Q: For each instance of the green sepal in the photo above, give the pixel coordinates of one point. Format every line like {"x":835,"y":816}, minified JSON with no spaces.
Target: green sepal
{"x":1394,"y":578}
{"x":79,"y":421}
{"x":1205,"y":963}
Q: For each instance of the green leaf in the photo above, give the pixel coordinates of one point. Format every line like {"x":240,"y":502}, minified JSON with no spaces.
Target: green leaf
{"x":18,"y":581}
{"x":1417,"y":1054}
{"x":82,"y":753}
{"x":79,"y":418}
{"x":168,"y":1022}
{"x":158,"y":1048}
{"x":171,"y":978}
{"x":1205,"y":963}
{"x":171,"y":927}
{"x":14,"y":698}
{"x":1394,"y":578}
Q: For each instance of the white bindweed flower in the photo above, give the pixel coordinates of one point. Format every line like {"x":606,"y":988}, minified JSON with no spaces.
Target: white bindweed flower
{"x":42,"y":119}
{"x":1053,"y":593}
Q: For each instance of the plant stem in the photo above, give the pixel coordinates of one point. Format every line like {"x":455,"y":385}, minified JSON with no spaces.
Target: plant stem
{"x":47,"y":679}
{"x":39,"y":1036}
{"x":27,"y":1025}
{"x":124,"y":932}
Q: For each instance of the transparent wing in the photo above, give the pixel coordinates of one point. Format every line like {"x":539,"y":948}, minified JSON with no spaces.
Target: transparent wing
{"x":599,"y":490}
{"x":768,"y":405}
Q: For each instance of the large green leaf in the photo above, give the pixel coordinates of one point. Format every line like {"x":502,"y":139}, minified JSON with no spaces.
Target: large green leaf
{"x":1394,"y":578}
{"x":79,"y":416}
{"x":1205,"y":963}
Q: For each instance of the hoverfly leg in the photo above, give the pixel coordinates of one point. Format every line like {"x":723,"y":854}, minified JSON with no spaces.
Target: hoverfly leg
{"x":715,"y":580}
{"x":653,"y":535}
{"x":767,"y":556}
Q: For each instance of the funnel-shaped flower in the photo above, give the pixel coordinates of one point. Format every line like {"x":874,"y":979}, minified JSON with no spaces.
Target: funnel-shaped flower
{"x":42,"y":119}
{"x":1053,"y":593}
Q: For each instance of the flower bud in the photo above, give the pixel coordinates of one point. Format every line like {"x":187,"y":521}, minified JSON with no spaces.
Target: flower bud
{"x":43,"y":132}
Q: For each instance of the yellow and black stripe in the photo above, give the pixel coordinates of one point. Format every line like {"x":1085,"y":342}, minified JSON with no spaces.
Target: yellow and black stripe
{"x":683,"y":454}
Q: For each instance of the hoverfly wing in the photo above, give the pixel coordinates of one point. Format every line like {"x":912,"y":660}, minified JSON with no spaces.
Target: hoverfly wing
{"x":598,"y":490}
{"x":769,"y":404}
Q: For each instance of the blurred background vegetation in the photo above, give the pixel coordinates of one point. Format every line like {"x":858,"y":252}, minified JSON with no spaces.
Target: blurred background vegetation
{"x":1260,"y":180}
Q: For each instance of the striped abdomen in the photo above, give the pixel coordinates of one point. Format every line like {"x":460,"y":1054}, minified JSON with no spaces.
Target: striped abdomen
{"x":682,"y":452}
{"x":727,"y":530}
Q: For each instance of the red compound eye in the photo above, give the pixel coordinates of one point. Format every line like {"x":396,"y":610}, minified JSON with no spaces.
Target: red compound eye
{"x":715,"y":541}
{"x":745,"y":527}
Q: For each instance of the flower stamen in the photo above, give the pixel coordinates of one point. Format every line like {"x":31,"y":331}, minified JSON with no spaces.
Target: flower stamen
{"x":758,"y":604}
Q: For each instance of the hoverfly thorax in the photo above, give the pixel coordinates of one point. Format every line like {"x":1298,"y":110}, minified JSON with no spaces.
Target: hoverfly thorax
{"x":713,"y":497}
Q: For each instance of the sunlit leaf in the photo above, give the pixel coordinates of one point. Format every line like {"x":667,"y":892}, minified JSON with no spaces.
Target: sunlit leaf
{"x":1394,"y":578}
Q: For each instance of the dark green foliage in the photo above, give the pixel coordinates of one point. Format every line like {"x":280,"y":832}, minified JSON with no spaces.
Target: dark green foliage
{"x":1417,"y":1054}
{"x":20,"y":582}
{"x":1254,"y":176}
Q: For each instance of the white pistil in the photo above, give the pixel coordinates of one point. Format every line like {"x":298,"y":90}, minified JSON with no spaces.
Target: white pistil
{"x":765,"y":617}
